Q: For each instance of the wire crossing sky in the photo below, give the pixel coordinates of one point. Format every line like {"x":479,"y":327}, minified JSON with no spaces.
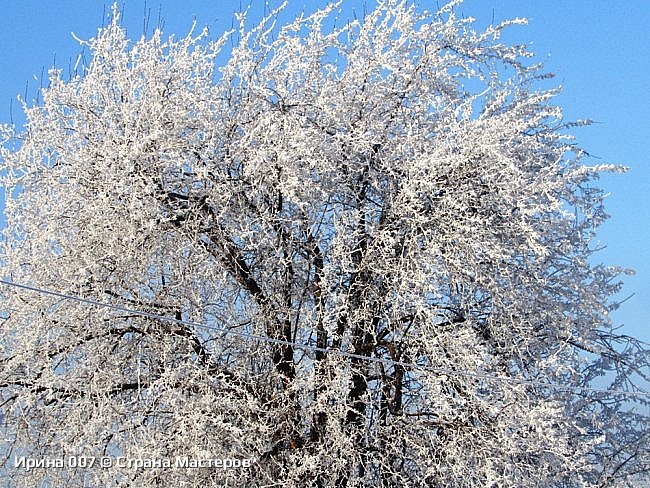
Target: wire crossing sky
{"x":599,"y":50}
{"x":306,"y":347}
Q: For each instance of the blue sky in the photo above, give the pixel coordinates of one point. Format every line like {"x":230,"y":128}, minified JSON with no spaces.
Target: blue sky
{"x":598,"y":49}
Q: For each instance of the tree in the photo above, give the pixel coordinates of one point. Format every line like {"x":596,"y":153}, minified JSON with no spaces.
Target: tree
{"x":354,"y":255}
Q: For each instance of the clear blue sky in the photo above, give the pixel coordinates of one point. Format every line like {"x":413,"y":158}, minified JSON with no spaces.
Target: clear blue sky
{"x":598,"y":49}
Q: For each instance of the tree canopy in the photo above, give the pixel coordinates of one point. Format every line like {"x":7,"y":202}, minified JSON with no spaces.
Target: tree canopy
{"x":354,"y":253}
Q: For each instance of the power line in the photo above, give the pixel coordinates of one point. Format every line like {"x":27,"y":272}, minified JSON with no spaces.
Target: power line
{"x":306,"y":347}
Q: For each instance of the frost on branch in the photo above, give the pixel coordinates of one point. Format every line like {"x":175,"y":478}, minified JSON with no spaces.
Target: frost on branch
{"x":395,"y":188}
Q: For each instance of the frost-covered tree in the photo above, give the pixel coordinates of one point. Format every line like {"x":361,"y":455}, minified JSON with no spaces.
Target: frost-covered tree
{"x":355,"y":255}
